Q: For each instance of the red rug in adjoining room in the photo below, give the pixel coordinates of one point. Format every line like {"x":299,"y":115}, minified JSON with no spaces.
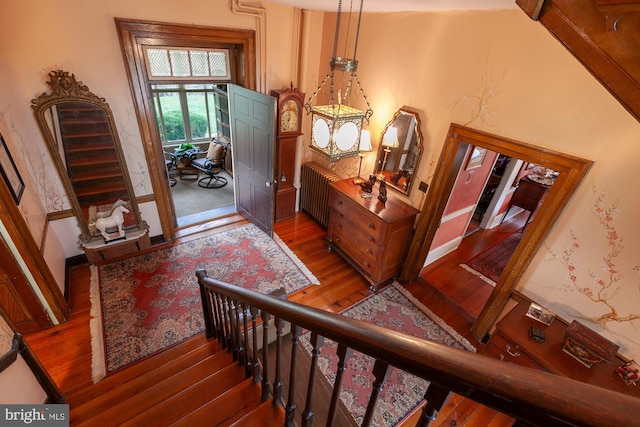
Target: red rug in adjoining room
{"x":395,"y":308}
{"x":490,"y":263}
{"x":152,"y":301}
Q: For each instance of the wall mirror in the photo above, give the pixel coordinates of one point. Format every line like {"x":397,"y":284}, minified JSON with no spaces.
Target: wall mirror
{"x":400,"y":150}
{"x":82,"y":139}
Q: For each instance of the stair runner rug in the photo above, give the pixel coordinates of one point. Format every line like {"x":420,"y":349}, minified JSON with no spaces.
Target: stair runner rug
{"x":395,"y":308}
{"x":149,"y":302}
{"x":490,"y":263}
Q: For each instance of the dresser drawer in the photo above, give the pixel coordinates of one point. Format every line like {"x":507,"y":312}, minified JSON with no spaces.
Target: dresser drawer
{"x":507,"y":350}
{"x":348,"y":208}
{"x":372,"y":236}
{"x":355,"y":241}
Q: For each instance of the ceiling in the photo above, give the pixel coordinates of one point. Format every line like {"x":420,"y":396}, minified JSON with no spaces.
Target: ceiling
{"x":401,"y":5}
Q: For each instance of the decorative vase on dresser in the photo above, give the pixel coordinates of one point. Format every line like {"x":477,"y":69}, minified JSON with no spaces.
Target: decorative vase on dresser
{"x":371,"y":235}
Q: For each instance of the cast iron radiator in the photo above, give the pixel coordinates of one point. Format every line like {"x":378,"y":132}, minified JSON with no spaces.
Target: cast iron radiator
{"x":314,"y":191}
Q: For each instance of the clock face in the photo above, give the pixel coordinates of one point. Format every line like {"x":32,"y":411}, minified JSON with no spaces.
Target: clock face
{"x":289,"y":117}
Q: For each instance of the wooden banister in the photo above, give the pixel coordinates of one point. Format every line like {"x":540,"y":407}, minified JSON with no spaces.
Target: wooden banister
{"x":532,"y":397}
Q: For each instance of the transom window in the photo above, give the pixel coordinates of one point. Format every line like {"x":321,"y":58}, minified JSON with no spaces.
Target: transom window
{"x":167,"y":63}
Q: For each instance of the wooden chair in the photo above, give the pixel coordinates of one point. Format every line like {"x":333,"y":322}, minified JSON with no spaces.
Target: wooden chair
{"x":212,"y":164}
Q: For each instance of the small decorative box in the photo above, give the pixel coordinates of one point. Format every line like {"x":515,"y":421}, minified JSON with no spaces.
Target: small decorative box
{"x":587,"y":346}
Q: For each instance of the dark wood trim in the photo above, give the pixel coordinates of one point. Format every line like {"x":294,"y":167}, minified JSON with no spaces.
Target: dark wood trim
{"x":21,"y":236}
{"x":10,"y":356}
{"x":572,"y":170}
{"x":588,"y":32}
{"x":133,"y":35}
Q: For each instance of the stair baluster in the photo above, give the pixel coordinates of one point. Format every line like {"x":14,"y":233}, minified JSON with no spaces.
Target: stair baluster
{"x":344,"y":354}
{"x":296,"y":331}
{"x":256,"y":361}
{"x":265,"y":354}
{"x":245,"y":327}
{"x":277,"y":383}
{"x":317,"y":341}
{"x":381,"y":372}
{"x":436,"y":397}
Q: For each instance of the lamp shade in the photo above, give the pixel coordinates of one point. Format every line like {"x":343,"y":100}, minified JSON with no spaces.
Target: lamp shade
{"x":365,"y":141}
{"x":391,"y":138}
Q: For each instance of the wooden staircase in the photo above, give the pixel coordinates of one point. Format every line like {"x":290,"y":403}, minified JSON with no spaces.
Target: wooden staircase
{"x":196,"y":382}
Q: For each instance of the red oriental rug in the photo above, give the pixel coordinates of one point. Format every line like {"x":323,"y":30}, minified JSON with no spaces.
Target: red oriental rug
{"x":490,"y":263}
{"x":395,"y":308}
{"x":152,"y":301}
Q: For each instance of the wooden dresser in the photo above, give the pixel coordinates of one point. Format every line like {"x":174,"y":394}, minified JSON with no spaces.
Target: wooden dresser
{"x":373,"y":236}
{"x":510,"y":342}
{"x":529,"y":196}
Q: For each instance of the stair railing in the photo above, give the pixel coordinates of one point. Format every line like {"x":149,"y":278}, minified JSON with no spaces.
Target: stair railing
{"x":531,"y":397}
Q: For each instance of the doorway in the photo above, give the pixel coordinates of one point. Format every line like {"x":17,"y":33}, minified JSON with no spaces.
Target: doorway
{"x":189,"y":118}
{"x":571,"y":172}
{"x":135,"y":37}
{"x":466,"y":267}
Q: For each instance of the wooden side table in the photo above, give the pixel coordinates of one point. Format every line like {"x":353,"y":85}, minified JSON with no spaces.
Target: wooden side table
{"x":185,"y":171}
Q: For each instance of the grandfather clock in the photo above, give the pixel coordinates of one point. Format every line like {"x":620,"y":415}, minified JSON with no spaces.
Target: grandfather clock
{"x":289,"y":103}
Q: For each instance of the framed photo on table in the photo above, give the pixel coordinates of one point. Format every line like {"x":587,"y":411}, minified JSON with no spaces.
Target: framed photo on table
{"x":476,"y":158}
{"x":10,"y":172}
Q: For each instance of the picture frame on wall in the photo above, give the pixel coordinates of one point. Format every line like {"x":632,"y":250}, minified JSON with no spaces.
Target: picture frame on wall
{"x":9,"y":172}
{"x":476,"y":158}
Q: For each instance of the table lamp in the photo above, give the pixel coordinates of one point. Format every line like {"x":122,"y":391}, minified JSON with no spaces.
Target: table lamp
{"x":389,"y":141}
{"x":364,"y":147}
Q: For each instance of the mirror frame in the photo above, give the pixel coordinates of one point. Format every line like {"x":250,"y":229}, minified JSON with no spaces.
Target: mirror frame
{"x":572,"y":171}
{"x":65,"y":88}
{"x":419,"y":146}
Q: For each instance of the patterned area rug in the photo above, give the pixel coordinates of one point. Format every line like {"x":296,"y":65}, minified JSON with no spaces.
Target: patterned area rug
{"x":490,"y":263}
{"x":394,"y":308}
{"x":152,"y":301}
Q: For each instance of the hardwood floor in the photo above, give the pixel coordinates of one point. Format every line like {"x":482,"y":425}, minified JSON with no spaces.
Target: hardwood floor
{"x":65,"y":351}
{"x":459,"y":287}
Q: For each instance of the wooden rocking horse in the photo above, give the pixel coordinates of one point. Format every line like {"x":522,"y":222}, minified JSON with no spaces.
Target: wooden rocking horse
{"x":114,"y":219}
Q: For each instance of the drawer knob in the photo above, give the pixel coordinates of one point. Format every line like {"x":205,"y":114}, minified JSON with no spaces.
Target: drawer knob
{"x":339,"y":226}
{"x":501,"y":356}
{"x":369,"y":250}
{"x":513,"y":354}
{"x":339,"y":203}
{"x":371,"y":239}
{"x":371,"y":225}
{"x":366,"y":264}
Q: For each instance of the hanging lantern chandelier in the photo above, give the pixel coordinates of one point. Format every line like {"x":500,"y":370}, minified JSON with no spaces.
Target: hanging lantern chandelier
{"x":336,"y":127}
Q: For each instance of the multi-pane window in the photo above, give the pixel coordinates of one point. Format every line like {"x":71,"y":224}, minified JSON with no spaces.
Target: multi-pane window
{"x":194,"y":64}
{"x":188,"y":112}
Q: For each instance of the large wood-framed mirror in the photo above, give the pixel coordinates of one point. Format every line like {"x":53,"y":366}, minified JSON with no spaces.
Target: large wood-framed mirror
{"x":82,"y":139}
{"x":399,"y":162}
{"x":571,"y":171}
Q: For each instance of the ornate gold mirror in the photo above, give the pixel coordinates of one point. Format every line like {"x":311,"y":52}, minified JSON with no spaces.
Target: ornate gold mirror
{"x":82,"y":139}
{"x":400,"y":150}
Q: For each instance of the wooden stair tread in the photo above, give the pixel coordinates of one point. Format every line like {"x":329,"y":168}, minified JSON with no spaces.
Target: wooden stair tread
{"x":226,"y":407}
{"x":167,"y":362}
{"x":265,"y":415}
{"x":122,"y":410}
{"x":195,"y":396}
